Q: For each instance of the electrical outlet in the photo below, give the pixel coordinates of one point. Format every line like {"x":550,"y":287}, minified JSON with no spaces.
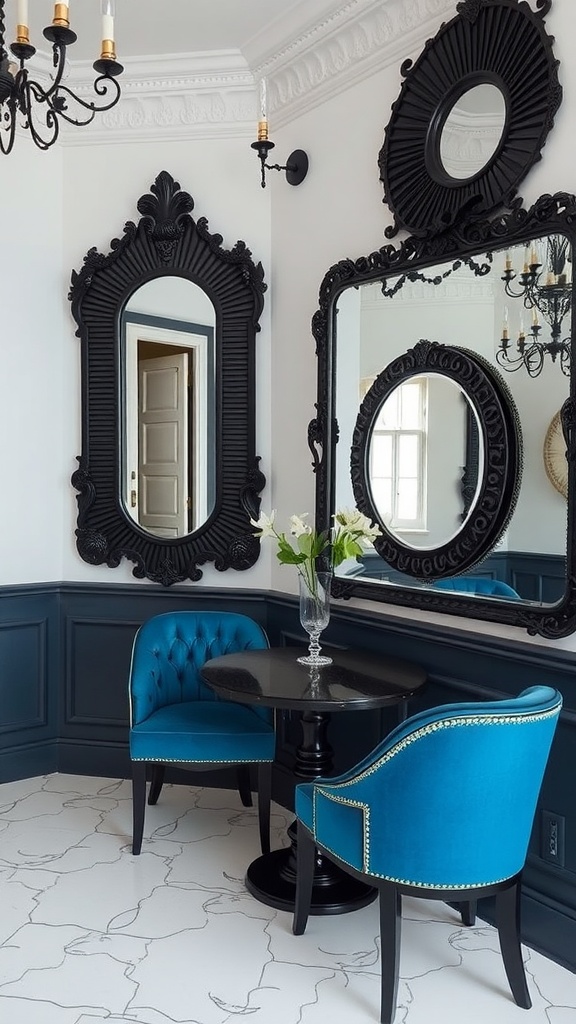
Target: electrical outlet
{"x":552,"y":838}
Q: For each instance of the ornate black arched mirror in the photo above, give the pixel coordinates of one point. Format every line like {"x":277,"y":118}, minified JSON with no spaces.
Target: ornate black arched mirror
{"x":430,"y":456}
{"x":168,"y":476}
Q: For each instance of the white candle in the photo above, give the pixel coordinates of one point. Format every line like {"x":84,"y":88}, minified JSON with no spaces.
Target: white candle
{"x":263,"y":99}
{"x":107,"y":26}
{"x":107,"y":19}
{"x":22,"y":12}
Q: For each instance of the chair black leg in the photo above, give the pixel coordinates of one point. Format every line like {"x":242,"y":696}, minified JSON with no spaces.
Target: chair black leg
{"x":264,"y":796}
{"x":508,"y":923}
{"x":390,"y":935}
{"x":244,"y":784}
{"x":138,"y":804}
{"x":305,"y":861}
{"x":156,"y":783}
{"x":468,"y":912}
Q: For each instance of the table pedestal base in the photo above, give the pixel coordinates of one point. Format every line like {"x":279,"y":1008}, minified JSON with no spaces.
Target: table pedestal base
{"x":272,"y":880}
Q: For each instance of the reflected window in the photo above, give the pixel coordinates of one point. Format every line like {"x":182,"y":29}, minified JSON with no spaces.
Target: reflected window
{"x":398,"y":457}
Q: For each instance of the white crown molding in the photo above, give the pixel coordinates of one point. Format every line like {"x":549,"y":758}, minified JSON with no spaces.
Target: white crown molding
{"x":178,"y":97}
{"x":351,"y":43}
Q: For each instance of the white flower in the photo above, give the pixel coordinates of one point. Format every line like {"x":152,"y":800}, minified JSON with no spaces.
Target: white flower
{"x":265,"y":524}
{"x":350,"y":518}
{"x":297,"y":525}
{"x":353,"y":521}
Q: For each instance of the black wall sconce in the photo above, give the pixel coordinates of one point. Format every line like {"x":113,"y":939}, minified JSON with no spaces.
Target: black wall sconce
{"x":296,"y":166}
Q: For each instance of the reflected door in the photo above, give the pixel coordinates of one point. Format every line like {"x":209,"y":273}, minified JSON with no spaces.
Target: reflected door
{"x":163,"y":445}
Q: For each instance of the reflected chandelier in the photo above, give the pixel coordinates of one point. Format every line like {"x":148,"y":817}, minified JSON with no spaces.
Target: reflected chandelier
{"x":42,"y":108}
{"x":546,"y":291}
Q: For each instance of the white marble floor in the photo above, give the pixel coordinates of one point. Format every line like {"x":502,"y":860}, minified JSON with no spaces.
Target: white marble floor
{"x":90,"y":933}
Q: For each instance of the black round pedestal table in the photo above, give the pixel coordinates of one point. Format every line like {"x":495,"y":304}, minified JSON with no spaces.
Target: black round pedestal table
{"x":355,"y":680}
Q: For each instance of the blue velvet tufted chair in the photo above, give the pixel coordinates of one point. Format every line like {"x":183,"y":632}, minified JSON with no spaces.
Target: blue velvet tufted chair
{"x":175,"y":718}
{"x":443,"y":809}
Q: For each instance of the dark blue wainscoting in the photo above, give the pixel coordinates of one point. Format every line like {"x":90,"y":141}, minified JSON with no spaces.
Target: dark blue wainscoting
{"x":65,"y":655}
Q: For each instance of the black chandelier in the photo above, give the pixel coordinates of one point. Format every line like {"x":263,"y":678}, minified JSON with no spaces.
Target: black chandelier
{"x":545,"y":287}
{"x":42,"y":108}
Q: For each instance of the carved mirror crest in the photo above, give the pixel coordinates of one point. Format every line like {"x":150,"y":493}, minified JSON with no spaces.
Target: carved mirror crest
{"x":168,"y":476}
{"x":452,"y":470}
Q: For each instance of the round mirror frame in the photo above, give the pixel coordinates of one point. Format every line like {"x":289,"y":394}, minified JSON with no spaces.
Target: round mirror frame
{"x":501,"y":442}
{"x":166,"y":242}
{"x":488,"y":42}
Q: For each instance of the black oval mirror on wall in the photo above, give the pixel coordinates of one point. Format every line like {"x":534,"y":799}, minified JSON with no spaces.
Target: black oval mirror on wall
{"x":168,"y":476}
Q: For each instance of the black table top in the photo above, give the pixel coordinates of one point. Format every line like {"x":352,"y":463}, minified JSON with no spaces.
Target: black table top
{"x":274,"y":678}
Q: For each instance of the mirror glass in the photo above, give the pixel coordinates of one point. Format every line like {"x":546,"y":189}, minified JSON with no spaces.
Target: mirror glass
{"x":417,"y":460}
{"x":472,"y":131}
{"x":465,"y":304}
{"x":168,"y":435}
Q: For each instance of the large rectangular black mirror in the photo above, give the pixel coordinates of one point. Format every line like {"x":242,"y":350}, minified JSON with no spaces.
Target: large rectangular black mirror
{"x":483,"y":298}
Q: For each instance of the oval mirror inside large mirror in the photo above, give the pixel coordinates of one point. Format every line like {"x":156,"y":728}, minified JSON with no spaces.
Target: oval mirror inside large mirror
{"x":473,"y":130}
{"x":425,"y":461}
{"x":513,"y":308}
{"x":168,"y":413}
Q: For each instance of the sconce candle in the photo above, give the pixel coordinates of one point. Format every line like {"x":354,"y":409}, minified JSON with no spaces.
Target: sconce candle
{"x":296,"y":167}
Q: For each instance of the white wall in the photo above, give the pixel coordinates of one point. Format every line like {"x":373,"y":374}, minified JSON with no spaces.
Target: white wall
{"x":32,"y":395}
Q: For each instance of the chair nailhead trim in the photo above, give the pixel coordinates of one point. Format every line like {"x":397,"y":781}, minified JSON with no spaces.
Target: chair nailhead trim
{"x":426,"y":730}
{"x":199,"y":760}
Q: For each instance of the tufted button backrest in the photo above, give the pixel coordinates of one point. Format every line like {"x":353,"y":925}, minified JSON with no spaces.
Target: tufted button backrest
{"x":170,"y":649}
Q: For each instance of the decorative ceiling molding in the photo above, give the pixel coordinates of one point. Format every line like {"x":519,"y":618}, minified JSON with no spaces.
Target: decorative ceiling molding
{"x":214,"y":95}
{"x":178,"y":97}
{"x":358,"y":39}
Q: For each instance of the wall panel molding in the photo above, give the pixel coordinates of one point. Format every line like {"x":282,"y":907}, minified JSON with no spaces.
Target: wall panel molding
{"x":23,"y":656}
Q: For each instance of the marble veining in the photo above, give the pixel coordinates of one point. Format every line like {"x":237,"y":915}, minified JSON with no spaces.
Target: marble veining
{"x":90,"y":933}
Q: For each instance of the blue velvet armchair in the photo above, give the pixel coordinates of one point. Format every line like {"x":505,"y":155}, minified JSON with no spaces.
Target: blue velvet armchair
{"x":443,"y":808}
{"x":175,"y":718}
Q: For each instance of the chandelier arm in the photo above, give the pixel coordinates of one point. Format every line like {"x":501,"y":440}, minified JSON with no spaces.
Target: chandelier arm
{"x":534,"y":359}
{"x":522,"y":294}
{"x":101,"y":86}
{"x":566,"y":358}
{"x":52,"y":125}
{"x":10,"y":131}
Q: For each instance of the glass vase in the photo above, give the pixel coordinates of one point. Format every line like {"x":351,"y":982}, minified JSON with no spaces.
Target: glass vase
{"x":314,"y":613}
